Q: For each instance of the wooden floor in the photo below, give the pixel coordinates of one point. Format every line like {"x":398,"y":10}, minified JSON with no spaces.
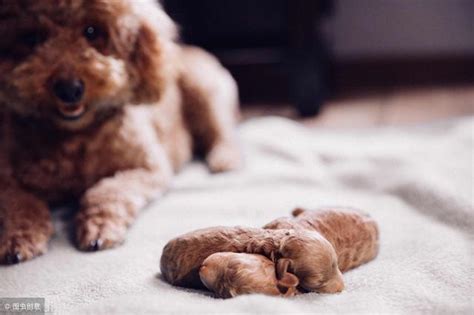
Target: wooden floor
{"x":381,"y":107}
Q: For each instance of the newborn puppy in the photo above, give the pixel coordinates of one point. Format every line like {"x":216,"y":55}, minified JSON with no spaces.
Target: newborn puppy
{"x":310,"y":250}
{"x":100,"y":103}
{"x":354,"y":235}
{"x":231,"y":274}
{"x":305,"y":254}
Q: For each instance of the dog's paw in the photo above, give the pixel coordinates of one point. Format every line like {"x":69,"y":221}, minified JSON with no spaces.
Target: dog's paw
{"x":224,"y":158}
{"x":97,"y":232}
{"x":22,"y":246}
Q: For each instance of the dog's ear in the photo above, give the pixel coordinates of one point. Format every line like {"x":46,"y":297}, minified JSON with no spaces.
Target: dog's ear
{"x":297,"y":211}
{"x":147,"y":60}
{"x":282,"y":267}
{"x":287,"y":282}
{"x":153,"y":53}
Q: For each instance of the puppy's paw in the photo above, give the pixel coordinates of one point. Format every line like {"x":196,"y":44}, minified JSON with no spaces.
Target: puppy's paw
{"x":99,"y":231}
{"x":224,"y":157}
{"x":22,"y":246}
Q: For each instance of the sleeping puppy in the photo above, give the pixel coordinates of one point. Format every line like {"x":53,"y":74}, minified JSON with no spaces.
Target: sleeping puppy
{"x":99,"y":103}
{"x":353,"y":233}
{"x":305,"y":254}
{"x":231,"y":274}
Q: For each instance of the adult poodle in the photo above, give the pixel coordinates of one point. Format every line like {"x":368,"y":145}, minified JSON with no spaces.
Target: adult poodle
{"x":100,"y":103}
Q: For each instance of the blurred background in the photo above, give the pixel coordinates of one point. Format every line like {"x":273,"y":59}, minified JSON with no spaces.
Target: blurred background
{"x":345,"y":63}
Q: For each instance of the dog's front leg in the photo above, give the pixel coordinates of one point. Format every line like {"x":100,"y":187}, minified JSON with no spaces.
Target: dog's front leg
{"x":211,"y":108}
{"x":110,"y":207}
{"x":25,"y":225}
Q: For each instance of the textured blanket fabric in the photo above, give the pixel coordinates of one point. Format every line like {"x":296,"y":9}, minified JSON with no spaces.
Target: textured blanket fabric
{"x":417,"y":182}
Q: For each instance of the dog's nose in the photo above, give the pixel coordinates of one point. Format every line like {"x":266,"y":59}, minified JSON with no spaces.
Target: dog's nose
{"x":69,"y":91}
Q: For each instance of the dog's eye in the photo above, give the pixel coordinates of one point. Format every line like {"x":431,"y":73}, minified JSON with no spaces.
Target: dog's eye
{"x":93,"y":32}
{"x":97,"y":36}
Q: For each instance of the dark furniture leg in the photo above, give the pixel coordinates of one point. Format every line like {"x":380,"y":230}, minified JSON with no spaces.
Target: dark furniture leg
{"x":308,"y":58}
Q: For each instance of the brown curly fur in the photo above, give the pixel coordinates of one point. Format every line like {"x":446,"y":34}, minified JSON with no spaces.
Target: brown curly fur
{"x":232,"y":270}
{"x":306,"y":254}
{"x":354,"y":235}
{"x":231,"y":274}
{"x":148,"y":103}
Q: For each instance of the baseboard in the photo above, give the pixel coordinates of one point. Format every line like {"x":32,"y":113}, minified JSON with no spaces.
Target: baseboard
{"x":270,"y":82}
{"x":406,"y":71}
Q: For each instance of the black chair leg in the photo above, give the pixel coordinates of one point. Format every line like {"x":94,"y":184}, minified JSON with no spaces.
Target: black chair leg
{"x":309,"y":60}
{"x":308,"y":87}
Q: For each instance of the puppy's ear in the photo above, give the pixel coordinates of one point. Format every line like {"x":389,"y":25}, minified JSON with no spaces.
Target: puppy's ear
{"x":282,"y":267}
{"x":148,"y":60}
{"x":287,"y":282}
{"x":297,"y":211}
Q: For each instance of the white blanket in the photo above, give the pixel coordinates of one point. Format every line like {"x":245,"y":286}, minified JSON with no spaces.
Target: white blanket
{"x":417,"y":182}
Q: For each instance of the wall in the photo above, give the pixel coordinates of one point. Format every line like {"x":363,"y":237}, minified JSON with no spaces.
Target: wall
{"x":362,"y":28}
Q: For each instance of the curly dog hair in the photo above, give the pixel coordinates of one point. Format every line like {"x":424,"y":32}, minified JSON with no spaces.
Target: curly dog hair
{"x":100,"y":103}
